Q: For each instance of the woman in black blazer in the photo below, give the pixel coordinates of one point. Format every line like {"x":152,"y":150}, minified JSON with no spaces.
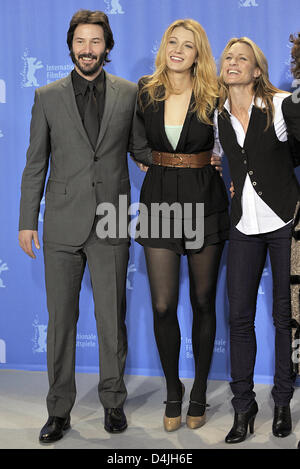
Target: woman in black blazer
{"x":253,"y":135}
{"x":176,"y":106}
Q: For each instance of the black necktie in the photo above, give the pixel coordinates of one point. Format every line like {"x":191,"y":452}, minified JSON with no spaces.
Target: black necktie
{"x":91,"y":119}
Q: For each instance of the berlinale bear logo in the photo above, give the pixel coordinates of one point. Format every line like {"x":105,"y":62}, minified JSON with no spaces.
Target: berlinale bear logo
{"x":3,"y":268}
{"x":40,"y":337}
{"x":114,"y":7}
{"x":31,"y":65}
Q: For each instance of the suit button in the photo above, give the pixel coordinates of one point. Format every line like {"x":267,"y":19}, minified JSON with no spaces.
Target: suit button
{"x":250,"y":172}
{"x":254,"y":183}
{"x":96,"y":158}
{"x":243,"y":151}
{"x":93,"y":184}
{"x":245,"y":161}
{"x":259,"y":193}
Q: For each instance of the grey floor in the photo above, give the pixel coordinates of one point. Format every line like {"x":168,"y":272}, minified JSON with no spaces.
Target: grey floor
{"x":23,"y":413}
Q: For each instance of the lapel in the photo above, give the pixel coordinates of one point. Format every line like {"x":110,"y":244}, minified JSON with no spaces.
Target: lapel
{"x":257,"y":124}
{"x":182,"y":140}
{"x":162,"y":130}
{"x":185,"y":127}
{"x":71,"y":106}
{"x":111,"y":94}
{"x":228,"y":135}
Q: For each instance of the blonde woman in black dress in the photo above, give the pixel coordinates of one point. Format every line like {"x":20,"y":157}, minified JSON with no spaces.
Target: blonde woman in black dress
{"x":176,"y":106}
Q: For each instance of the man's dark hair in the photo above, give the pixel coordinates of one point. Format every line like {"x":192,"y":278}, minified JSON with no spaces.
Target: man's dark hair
{"x":295,"y":52}
{"x":91,"y":17}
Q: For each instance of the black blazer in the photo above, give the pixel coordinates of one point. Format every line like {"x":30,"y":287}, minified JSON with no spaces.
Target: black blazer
{"x":195,"y":136}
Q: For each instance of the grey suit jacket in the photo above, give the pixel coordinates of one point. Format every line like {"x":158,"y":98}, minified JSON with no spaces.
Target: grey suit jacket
{"x":80,"y":177}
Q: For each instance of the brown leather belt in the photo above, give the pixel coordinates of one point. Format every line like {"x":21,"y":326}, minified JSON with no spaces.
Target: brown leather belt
{"x":181,"y":160}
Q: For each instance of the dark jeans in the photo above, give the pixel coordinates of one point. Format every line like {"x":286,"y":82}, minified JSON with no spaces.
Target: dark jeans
{"x":246,"y":260}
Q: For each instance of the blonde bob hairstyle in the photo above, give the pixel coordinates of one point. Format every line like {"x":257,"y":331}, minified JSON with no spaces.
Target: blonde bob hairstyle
{"x":262,"y":87}
{"x":157,"y":87}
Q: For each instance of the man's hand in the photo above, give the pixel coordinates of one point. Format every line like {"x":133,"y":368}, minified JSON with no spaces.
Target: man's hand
{"x":232,"y":192}
{"x":25,"y":241}
{"x":217,"y":162}
{"x":139,"y":165}
{"x":142,"y":166}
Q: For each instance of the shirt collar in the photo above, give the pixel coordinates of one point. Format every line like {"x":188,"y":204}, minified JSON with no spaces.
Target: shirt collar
{"x":258,"y":103}
{"x":80,"y":84}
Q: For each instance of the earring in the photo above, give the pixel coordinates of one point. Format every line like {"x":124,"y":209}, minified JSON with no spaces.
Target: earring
{"x":194,"y":69}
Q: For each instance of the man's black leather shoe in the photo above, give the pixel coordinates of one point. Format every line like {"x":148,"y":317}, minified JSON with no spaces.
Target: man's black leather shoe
{"x":54,"y":429}
{"x":115,"y":420}
{"x":282,"y":423}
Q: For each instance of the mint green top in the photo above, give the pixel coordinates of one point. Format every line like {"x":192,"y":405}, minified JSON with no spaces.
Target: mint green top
{"x":173,"y":133}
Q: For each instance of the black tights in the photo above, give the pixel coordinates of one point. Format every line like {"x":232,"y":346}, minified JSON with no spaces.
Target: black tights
{"x":163,"y":270}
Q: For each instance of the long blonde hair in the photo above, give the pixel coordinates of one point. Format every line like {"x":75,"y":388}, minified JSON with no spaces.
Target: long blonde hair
{"x":262,"y":87}
{"x":157,"y":87}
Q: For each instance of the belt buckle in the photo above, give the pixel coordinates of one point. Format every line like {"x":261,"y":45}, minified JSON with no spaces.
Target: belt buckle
{"x":180,"y":159}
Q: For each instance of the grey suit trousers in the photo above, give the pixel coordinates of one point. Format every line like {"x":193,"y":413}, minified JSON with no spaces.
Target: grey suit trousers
{"x":64,"y":269}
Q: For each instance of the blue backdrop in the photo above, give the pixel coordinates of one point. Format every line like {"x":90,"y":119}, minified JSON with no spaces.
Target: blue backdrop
{"x":33,"y":53}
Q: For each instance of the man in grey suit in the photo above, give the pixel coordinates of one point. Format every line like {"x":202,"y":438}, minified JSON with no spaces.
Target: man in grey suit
{"x":82,"y":125}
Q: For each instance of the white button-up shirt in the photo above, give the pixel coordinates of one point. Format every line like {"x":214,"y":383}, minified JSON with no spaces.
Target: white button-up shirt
{"x":257,"y":216}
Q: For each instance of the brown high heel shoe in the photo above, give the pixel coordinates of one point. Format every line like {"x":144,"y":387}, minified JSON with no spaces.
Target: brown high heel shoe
{"x":173,"y":423}
{"x":198,"y":421}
